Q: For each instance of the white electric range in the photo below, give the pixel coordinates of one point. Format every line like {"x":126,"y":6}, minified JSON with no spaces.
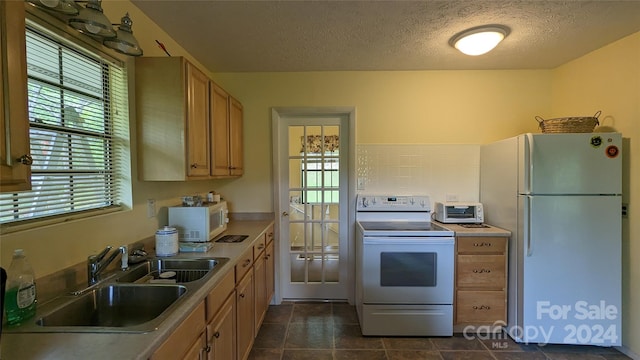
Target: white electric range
{"x":404,"y":268}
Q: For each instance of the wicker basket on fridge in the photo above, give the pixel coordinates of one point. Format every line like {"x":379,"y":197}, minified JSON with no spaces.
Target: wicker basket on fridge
{"x":569,"y":124}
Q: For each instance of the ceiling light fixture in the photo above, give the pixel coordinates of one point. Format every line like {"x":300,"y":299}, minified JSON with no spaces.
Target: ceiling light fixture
{"x":92,"y":21}
{"x":479,"y":40}
{"x":124,"y":42}
{"x":67,"y":7}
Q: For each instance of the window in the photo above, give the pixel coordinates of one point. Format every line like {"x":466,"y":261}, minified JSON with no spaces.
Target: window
{"x":316,"y":171}
{"x":320,"y":167}
{"x":78,"y":119}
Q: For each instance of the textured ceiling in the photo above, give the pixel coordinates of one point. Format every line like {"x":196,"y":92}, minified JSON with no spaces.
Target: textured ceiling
{"x":240,"y":36}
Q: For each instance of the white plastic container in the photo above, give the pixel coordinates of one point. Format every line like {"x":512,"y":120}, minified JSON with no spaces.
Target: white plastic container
{"x":20,"y":297}
{"x":167,"y":241}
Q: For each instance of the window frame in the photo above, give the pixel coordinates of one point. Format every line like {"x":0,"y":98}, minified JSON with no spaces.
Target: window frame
{"x":51,"y":26}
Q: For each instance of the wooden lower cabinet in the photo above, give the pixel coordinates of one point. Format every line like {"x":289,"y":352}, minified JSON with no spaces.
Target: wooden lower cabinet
{"x":224,"y":325}
{"x":480,"y":306}
{"x":185,"y":339}
{"x":260,"y":289}
{"x":480,"y":281}
{"x":270,"y":273}
{"x":245,"y":310}
{"x":196,"y":351}
{"x":221,"y":337}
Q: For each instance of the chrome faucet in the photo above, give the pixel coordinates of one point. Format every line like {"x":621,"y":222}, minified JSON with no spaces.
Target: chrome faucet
{"x":95,"y":263}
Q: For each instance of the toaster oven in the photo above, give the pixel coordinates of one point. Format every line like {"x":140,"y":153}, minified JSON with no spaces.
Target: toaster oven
{"x":459,"y":212}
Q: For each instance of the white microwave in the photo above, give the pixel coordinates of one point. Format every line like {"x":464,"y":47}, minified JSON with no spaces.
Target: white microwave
{"x":459,"y":212}
{"x":199,"y":223}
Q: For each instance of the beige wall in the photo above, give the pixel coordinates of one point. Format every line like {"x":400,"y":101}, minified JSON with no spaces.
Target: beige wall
{"x":423,"y":107}
{"x":413,"y":107}
{"x":609,"y":80}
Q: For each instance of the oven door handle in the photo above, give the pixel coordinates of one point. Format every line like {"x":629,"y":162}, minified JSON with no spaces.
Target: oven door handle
{"x":396,"y":241}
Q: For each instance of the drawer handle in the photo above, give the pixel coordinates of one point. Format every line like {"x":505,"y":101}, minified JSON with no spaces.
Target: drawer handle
{"x":217,"y":334}
{"x":480,"y":271}
{"x":261,"y":246}
{"x":246,"y":263}
{"x":481,"y":307}
{"x":482,"y":244}
{"x":194,"y":166}
{"x":267,"y":256}
{"x":242,"y":295}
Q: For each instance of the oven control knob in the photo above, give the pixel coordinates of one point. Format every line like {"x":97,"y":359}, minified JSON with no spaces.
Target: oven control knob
{"x":365,"y":202}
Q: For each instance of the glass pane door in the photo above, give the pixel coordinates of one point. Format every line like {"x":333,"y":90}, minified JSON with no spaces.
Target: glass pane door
{"x":314,"y":208}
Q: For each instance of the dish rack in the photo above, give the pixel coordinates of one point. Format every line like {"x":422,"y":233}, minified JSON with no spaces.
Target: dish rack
{"x":569,"y":124}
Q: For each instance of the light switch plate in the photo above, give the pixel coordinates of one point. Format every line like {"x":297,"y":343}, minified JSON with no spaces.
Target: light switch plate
{"x":151,"y":208}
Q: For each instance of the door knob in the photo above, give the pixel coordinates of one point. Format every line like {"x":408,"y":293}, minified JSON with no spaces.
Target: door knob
{"x":284,"y":213}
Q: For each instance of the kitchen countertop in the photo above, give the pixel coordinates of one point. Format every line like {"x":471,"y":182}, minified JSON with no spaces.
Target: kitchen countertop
{"x":475,"y":231}
{"x":127,"y":345}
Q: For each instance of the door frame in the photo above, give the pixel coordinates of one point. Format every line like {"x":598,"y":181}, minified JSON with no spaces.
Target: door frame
{"x":277,"y":113}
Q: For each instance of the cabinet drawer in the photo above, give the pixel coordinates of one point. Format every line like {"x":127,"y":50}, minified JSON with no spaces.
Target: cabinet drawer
{"x":258,"y":247}
{"x":244,"y":264}
{"x":481,"y":271}
{"x":480,"y":306}
{"x":219,"y":294}
{"x":481,"y":244}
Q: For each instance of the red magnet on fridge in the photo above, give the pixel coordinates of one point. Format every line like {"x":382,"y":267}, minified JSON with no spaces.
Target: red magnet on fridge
{"x":612,"y":151}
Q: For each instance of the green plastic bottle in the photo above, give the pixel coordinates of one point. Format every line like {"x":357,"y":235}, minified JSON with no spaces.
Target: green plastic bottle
{"x":20,"y":297}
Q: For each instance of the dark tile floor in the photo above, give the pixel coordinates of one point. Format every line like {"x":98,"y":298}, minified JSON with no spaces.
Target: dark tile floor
{"x":313,"y":331}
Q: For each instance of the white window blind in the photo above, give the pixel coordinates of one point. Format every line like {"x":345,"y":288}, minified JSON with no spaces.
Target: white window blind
{"x":77,"y":103}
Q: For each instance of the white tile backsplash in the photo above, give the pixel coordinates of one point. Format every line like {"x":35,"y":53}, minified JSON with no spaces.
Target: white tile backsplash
{"x":437,"y":170}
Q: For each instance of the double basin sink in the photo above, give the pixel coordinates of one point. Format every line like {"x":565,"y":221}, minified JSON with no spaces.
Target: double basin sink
{"x":135,"y":300}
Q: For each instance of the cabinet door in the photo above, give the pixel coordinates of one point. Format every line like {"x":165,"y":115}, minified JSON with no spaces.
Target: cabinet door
{"x":221,"y":334}
{"x":197,"y":122}
{"x":14,"y":121}
{"x":219,"y":131}
{"x":245,"y":316}
{"x":260,"y":290}
{"x":236,"y":153}
{"x":196,"y":351}
{"x":183,"y":338}
{"x":269,"y":273}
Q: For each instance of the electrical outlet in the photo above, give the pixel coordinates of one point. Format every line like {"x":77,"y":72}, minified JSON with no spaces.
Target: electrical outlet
{"x":151,"y":208}
{"x":625,"y":210}
{"x":361,"y":183}
{"x":451,"y":197}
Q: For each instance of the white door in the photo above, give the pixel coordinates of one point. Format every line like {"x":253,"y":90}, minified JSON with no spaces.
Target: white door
{"x":312,"y":151}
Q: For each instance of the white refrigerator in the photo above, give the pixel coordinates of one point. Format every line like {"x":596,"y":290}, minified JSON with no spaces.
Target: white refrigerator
{"x":560,"y":196}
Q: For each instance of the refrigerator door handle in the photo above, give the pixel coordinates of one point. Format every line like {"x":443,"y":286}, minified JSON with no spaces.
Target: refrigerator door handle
{"x":528,"y":168}
{"x":528,"y":225}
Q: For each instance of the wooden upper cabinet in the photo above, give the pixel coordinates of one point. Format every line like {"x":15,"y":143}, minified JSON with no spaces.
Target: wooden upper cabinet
{"x":14,"y":121}
{"x":172,"y":104}
{"x":197,"y":122}
{"x":219,"y":131}
{"x":226,"y":134}
{"x":236,"y":153}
